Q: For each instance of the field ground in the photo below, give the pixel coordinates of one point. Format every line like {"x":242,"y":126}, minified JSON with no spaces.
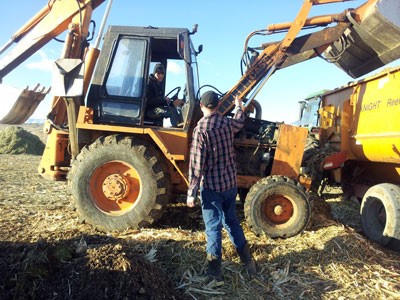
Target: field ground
{"x":47,"y":253}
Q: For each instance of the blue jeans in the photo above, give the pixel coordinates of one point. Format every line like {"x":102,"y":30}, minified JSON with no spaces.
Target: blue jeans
{"x":219,"y":209}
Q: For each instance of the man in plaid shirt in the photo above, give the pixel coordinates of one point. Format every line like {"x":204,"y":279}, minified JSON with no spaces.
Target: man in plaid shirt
{"x":212,"y":169}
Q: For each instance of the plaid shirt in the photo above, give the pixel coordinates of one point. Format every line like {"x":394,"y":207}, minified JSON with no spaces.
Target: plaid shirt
{"x":212,"y":156}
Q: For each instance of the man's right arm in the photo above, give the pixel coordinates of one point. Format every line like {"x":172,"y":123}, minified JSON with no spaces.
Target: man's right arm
{"x":238,"y":118}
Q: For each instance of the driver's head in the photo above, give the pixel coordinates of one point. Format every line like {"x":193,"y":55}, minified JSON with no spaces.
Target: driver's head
{"x":159,"y":71}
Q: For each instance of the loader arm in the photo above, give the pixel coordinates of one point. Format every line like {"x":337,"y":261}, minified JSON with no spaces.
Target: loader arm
{"x":371,"y":53}
{"x":55,"y":18}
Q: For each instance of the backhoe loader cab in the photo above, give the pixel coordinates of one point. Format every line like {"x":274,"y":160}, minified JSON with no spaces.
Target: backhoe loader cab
{"x":118,"y":91}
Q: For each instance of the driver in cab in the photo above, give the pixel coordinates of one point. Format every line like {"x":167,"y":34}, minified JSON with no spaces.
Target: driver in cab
{"x":159,"y":107}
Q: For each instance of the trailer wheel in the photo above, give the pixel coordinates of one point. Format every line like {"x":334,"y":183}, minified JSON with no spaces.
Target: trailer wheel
{"x":278,"y":207}
{"x":118,"y":183}
{"x":380,"y":215}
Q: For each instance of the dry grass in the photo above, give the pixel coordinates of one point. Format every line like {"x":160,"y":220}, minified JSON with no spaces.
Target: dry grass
{"x":16,"y":140}
{"x":333,"y":262}
{"x":330,"y":260}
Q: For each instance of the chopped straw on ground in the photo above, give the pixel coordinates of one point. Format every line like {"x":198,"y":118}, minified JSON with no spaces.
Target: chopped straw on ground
{"x":46,"y":252}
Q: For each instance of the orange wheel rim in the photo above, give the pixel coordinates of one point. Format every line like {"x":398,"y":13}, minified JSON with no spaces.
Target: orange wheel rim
{"x":115,"y":187}
{"x":278,"y":209}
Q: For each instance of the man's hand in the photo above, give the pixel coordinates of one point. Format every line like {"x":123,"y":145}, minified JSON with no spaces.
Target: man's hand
{"x":238,"y":102}
{"x":190,"y":201}
{"x":178,"y":102}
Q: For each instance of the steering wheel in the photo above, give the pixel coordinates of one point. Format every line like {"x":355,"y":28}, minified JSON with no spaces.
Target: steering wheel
{"x":175,"y":96}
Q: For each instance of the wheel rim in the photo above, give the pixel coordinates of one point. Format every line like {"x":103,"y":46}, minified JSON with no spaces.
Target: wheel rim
{"x":278,"y":209}
{"x":115,"y":187}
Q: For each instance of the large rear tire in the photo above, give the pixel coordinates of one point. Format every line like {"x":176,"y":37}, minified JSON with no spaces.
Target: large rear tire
{"x":380,"y":215}
{"x":311,"y":164}
{"x":119,"y":183}
{"x":278,"y":207}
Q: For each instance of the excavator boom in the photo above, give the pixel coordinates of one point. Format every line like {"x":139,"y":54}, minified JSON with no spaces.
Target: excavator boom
{"x":50,"y":22}
{"x":55,"y":18}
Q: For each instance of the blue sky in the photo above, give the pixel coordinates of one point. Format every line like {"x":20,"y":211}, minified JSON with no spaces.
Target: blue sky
{"x":223,"y":27}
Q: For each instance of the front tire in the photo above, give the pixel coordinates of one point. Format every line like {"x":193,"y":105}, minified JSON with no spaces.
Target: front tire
{"x":278,"y":207}
{"x":119,"y":183}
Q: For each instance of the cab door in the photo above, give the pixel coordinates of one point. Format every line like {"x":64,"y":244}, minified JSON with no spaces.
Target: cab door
{"x":117,"y":92}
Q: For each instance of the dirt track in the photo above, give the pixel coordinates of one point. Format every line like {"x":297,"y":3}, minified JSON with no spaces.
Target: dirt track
{"x":46,"y":253}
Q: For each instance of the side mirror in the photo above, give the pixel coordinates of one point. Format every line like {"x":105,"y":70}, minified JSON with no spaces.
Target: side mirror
{"x":199,"y":50}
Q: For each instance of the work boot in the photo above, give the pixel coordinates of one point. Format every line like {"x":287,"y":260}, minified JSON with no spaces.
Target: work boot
{"x":247,"y":260}
{"x":214,"y":269}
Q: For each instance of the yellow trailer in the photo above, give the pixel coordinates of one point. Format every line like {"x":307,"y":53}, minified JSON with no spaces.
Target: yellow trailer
{"x":360,"y":125}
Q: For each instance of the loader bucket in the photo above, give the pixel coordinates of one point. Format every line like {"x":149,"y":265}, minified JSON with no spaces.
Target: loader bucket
{"x":371,"y":43}
{"x":18,"y":105}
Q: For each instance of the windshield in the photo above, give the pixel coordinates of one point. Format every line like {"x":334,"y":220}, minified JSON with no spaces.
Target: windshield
{"x":310,"y":113}
{"x":126,"y":74}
